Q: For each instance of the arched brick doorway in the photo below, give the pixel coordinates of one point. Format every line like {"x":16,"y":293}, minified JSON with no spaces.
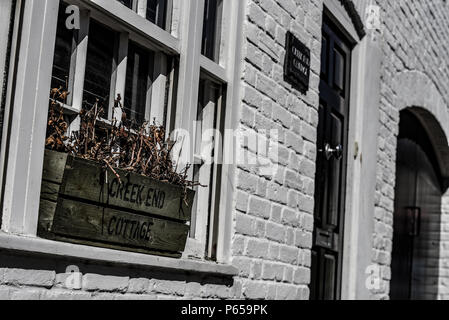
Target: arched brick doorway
{"x":420,"y":186}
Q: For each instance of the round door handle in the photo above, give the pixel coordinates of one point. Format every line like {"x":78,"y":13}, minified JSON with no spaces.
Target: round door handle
{"x":336,"y":153}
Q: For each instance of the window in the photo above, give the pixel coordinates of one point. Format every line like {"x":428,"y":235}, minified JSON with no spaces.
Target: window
{"x":128,"y":3}
{"x":65,"y":40}
{"x":212,"y":29}
{"x":153,"y":10}
{"x":99,"y":65}
{"x":113,"y":63}
{"x":207,"y":160}
{"x":122,"y":48}
{"x":137,"y":82}
{"x":156,"y":12}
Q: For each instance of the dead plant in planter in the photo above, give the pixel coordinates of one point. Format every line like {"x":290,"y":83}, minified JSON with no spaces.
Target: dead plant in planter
{"x":143,"y":149}
{"x":56,"y":126}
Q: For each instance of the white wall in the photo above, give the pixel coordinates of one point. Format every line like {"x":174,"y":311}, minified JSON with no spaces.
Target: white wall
{"x":5,"y":14}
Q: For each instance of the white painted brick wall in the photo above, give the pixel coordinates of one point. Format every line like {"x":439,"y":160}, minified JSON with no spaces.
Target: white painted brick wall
{"x":273,"y":217}
{"x":95,"y":282}
{"x":414,"y":39}
{"x":20,"y":277}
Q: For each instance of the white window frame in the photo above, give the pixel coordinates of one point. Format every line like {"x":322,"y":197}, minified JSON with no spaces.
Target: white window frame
{"x":155,"y":97}
{"x":5,"y":14}
{"x":29,"y":88}
{"x":204,"y":215}
{"x":227,"y":72}
{"x":140,"y":7}
{"x":217,"y":32}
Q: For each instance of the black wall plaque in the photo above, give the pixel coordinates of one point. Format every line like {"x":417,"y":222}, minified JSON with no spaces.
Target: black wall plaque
{"x":297,"y":63}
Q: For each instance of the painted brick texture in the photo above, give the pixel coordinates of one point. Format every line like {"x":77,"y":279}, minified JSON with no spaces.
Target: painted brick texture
{"x":415,"y":38}
{"x":274,"y":215}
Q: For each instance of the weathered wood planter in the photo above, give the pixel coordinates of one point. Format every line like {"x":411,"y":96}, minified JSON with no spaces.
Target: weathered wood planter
{"x":83,"y":203}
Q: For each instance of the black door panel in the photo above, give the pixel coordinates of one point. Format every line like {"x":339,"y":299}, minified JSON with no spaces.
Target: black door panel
{"x":331,"y":165}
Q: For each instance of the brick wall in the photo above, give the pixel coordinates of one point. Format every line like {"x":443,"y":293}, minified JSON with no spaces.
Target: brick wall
{"x":443,"y":263}
{"x":46,"y":278}
{"x":415,"y":37}
{"x":274,"y":215}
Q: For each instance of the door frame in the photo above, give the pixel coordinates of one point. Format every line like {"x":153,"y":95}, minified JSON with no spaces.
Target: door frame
{"x":362,"y":153}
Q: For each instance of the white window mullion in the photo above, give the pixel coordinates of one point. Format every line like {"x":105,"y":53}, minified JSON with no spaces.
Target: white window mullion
{"x":191,"y":27}
{"x":142,"y":8}
{"x":218,"y":33}
{"x":81,"y":58}
{"x":3,"y":76}
{"x":71,"y":77}
{"x":169,"y":15}
{"x":115,"y":87}
{"x":189,"y":70}
{"x":120,"y":73}
{"x":149,"y":106}
{"x":232,"y":35}
{"x":216,"y":179}
{"x":29,"y":123}
{"x":176,"y":6}
{"x":207,"y":118}
{"x":5,"y":12}
{"x":171,"y":108}
{"x":158,"y":88}
{"x":135,"y":5}
{"x":78,"y":68}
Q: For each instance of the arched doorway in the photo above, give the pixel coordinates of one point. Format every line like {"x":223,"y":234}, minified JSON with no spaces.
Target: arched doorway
{"x":417,"y":214}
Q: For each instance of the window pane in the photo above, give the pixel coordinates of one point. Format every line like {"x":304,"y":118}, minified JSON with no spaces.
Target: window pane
{"x":63,"y":52}
{"x":128,"y":3}
{"x":156,"y":12}
{"x":205,"y":170}
{"x":212,"y":29}
{"x":100,"y":59}
{"x":137,"y":81}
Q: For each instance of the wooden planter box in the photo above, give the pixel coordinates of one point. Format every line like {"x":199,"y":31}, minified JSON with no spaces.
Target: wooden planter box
{"x":83,"y":203}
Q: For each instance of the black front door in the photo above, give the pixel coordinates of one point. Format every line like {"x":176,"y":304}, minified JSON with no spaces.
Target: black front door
{"x":331,"y":164}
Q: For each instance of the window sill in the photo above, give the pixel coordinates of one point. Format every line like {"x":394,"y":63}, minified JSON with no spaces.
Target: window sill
{"x":66,"y":250}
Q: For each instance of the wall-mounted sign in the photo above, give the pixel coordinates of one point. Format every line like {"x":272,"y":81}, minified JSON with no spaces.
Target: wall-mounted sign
{"x":297,"y":63}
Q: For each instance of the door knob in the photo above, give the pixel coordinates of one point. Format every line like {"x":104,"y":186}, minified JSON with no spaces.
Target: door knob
{"x":330,"y":152}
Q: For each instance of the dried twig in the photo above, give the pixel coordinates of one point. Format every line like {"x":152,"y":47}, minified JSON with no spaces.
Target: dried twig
{"x":142,"y":149}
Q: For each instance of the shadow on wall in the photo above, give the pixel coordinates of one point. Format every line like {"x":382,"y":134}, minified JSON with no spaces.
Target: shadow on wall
{"x":37,"y":271}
